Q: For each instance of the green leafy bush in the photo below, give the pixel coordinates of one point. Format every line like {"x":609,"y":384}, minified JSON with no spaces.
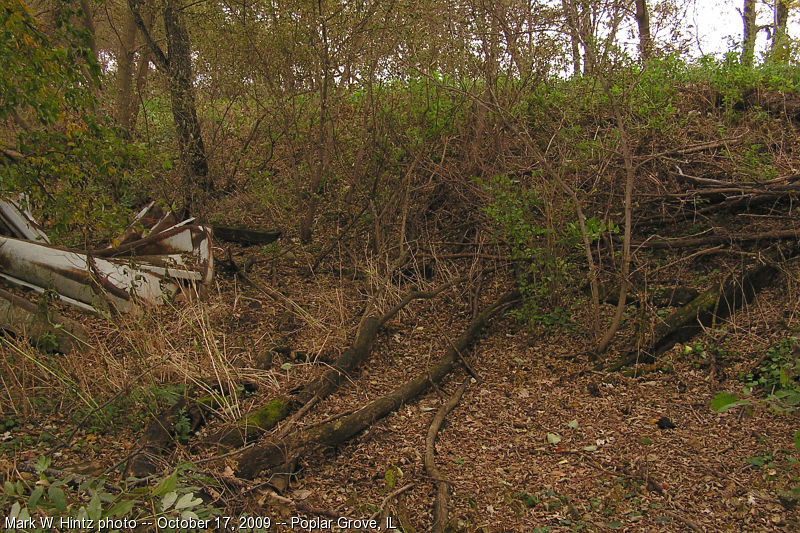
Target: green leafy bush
{"x":77,"y":168}
{"x":61,"y":501}
{"x":778,"y":374}
{"x":537,"y":251}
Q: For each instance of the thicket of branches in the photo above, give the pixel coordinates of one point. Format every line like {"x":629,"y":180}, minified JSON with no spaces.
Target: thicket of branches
{"x":392,"y":126}
{"x":573,"y":141}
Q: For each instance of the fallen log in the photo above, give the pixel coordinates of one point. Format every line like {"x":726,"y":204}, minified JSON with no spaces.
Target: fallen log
{"x":268,"y":416}
{"x":297,"y":444}
{"x":47,"y":330}
{"x":246,"y":237}
{"x":694,"y":242}
{"x":718,"y":302}
{"x":324,"y":385}
{"x":250,"y":426}
{"x":659,"y":297}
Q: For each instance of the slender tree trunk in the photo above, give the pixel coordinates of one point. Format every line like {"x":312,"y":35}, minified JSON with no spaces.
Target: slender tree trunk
{"x":88,"y":23}
{"x":142,"y":71}
{"x":643,"y":20}
{"x":780,"y":44}
{"x":630,"y":176}
{"x":585,"y":20}
{"x":750,"y":32}
{"x":571,"y":16}
{"x":80,"y":16}
{"x":320,"y":167}
{"x":124,"y":102}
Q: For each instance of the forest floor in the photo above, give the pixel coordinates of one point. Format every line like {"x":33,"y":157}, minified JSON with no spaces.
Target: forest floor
{"x":545,"y":442}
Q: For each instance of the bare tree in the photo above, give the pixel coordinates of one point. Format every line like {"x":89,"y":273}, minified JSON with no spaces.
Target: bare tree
{"x":571,"y":16}
{"x":321,"y":167}
{"x":123,"y":101}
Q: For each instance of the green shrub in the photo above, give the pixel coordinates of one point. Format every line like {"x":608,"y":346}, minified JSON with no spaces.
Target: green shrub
{"x":778,"y":373}
{"x":540,"y":254}
{"x":77,"y":168}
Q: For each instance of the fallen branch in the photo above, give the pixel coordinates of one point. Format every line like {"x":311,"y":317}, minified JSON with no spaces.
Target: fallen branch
{"x":298,"y":444}
{"x":270,"y":414}
{"x":440,"y":513}
{"x":389,"y":498}
{"x":13,"y":155}
{"x":721,"y":195}
{"x":715,"y":303}
{"x":694,"y":242}
{"x":67,"y":476}
{"x":700,"y":147}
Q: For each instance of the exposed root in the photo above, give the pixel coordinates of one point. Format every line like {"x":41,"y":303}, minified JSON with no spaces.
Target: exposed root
{"x":440,"y":512}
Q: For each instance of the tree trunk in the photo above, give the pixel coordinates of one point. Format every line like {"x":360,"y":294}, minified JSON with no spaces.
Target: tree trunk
{"x":88,"y":23}
{"x":750,"y":32}
{"x":127,"y":46}
{"x":630,"y":177}
{"x":586,"y":34}
{"x":570,"y":14}
{"x":142,"y":71}
{"x":177,"y":64}
{"x":190,"y":139}
{"x":319,"y":167}
{"x":780,"y":39}
{"x":643,"y":20}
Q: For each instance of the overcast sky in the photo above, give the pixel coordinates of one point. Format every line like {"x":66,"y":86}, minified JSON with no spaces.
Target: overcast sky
{"x":717,"y":22}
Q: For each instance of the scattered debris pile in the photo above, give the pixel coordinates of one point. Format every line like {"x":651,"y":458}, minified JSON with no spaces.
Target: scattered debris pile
{"x":153,"y":259}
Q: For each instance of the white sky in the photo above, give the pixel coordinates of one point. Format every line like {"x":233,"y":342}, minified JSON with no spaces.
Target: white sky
{"x":717,"y":23}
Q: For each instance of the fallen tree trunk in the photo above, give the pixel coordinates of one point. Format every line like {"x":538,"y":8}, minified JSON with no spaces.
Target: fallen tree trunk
{"x":693,"y":242}
{"x":717,"y":302}
{"x":324,"y":385}
{"x":300,"y":443}
{"x":271,"y":413}
{"x":660,"y":297}
{"x":268,"y":415}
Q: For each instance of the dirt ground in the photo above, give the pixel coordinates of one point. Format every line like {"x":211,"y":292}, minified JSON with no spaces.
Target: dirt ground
{"x":544,"y":442}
